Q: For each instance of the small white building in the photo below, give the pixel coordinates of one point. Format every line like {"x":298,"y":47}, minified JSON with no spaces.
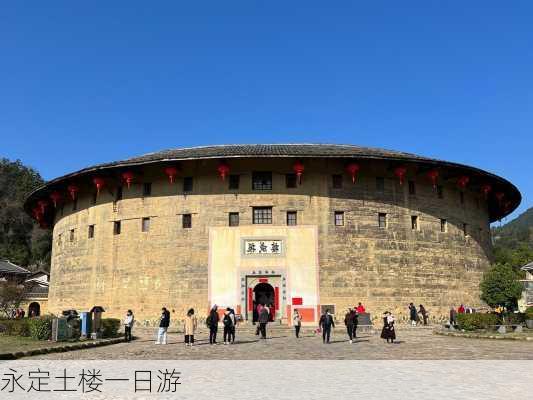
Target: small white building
{"x":527,"y":294}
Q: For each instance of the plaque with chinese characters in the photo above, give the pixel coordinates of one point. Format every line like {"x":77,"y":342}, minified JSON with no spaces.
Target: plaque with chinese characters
{"x":267,"y":247}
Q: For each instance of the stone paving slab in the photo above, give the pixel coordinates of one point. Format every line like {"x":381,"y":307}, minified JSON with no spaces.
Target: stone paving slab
{"x":413,"y":343}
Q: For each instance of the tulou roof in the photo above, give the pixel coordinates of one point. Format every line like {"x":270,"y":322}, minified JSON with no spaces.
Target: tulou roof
{"x":7,"y":267}
{"x":301,"y":151}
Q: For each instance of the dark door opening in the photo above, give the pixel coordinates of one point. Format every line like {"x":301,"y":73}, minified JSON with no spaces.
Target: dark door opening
{"x":264,"y":295}
{"x":34,"y":310}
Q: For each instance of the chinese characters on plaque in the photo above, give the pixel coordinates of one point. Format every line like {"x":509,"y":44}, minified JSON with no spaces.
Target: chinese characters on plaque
{"x":272,"y":247}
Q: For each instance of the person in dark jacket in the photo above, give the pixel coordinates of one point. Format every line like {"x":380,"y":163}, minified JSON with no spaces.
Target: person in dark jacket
{"x":413,"y":315}
{"x":423,"y":312}
{"x":164,"y":323}
{"x":213,"y":319}
{"x":388,"y":331}
{"x":227,"y":321}
{"x":264,"y":317}
{"x":355,"y":323}
{"x":326,"y":323}
{"x":348,"y":321}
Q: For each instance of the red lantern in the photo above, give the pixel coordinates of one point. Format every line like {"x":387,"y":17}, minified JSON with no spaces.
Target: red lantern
{"x":128,"y":177}
{"x":486,"y":190}
{"x":499,"y":196}
{"x":56,"y":197}
{"x":223,"y":169}
{"x":298,"y":169}
{"x":99,"y":183}
{"x":463,"y":181}
{"x":353,"y":169}
{"x":171,"y":172}
{"x":433,"y":175}
{"x":73,"y":190}
{"x":42,"y":205}
{"x":400,"y":173}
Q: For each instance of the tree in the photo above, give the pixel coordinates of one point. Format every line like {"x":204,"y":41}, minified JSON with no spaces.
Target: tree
{"x":21,"y":240}
{"x":11,"y":294}
{"x":500,"y":286}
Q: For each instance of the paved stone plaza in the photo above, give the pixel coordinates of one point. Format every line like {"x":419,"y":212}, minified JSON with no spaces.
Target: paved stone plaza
{"x":413,"y":343}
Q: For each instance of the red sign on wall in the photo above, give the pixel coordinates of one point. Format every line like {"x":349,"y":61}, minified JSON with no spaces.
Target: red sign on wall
{"x":263,"y":280}
{"x":297,"y":301}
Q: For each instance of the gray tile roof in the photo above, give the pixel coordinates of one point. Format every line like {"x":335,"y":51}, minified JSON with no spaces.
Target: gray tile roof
{"x":8,"y":267}
{"x":528,"y":267}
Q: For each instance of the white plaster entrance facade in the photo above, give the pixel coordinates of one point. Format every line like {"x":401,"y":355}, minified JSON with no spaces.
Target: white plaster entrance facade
{"x":285,"y":257}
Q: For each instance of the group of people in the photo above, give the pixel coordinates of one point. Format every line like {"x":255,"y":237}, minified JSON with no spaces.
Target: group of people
{"x":462,"y":309}
{"x":418,"y":316}
{"x":18,"y":313}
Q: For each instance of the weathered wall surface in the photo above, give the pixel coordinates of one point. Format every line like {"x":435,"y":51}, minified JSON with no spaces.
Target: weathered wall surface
{"x":168,"y":265}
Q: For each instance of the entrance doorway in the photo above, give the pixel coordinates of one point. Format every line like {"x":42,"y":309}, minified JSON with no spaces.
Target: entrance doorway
{"x":264,"y":294}
{"x":34,"y":310}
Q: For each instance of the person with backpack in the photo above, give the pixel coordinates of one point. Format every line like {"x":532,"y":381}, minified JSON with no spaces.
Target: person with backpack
{"x":228,"y":325}
{"x":233,"y":318}
{"x":212,"y":324}
{"x":164,"y":322}
{"x":190,"y":325}
{"x":326,"y":323}
{"x":349,"y":320}
{"x":264,"y":317}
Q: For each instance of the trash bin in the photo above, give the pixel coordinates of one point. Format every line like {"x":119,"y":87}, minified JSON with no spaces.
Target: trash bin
{"x":96,"y":328}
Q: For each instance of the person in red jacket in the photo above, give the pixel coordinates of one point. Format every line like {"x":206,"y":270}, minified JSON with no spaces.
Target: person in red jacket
{"x":461,"y":309}
{"x":360,"y":308}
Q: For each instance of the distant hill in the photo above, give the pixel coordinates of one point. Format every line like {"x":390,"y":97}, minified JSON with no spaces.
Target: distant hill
{"x":513,"y":242}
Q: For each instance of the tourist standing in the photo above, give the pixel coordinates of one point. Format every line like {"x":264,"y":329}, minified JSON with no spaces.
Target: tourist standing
{"x":128,"y":324}
{"x":360,"y":309}
{"x":190,"y":325}
{"x":355,"y":318}
{"x":422,"y":311}
{"x":388,"y":331}
{"x":258,"y":310}
{"x":326,"y":323}
{"x":413,"y":316}
{"x":233,"y":318}
{"x":453,"y":316}
{"x":264,"y":317}
{"x":348,"y":321}
{"x":164,"y":322}
{"x":228,"y":325}
{"x":461,"y":309}
{"x":297,"y":322}
{"x":212,"y":323}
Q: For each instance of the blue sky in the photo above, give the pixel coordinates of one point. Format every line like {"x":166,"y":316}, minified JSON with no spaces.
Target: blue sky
{"x":86,"y":83}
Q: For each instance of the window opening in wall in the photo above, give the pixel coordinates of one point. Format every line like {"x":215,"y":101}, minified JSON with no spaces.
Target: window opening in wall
{"x":75,"y":204}
{"x":414,"y":222}
{"x":412,"y":188}
{"x":337,"y":181}
{"x":94,"y":198}
{"x":465,"y":229}
{"x":339,"y":218}
{"x":187,"y":184}
{"x":118,"y":194}
{"x":116,"y":228}
{"x":90,"y":233}
{"x":382,"y":220}
{"x":234,"y":181}
{"x":443,"y":225}
{"x":440,"y":192}
{"x":186,"y":221}
{"x":262,"y":215}
{"x":290,"y":181}
{"x":262,"y":181}
{"x":145,"y":224}
{"x":71,"y":237}
{"x":291,"y":218}
{"x":147,"y":189}
{"x":233,"y":219}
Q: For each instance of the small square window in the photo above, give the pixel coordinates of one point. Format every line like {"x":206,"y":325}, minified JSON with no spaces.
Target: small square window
{"x":147,"y":189}
{"x":337,"y":181}
{"x":462,"y":197}
{"x":382,"y":220}
{"x":443,"y":225}
{"x":414,"y":222}
{"x":118,"y":194}
{"x":186,"y":221}
{"x":412,"y":188}
{"x":145,"y":225}
{"x":262,"y":215}
{"x":71,"y":237}
{"x":116,"y":228}
{"x":90,"y":233}
{"x":380,"y":184}
{"x":262,"y":181}
{"x":233,"y":219}
{"x":187,"y":184}
{"x":465,"y":230}
{"x":291,"y":218}
{"x":339,"y":218}
{"x":290,"y":181}
{"x":234,"y":181}
{"x":440,"y":192}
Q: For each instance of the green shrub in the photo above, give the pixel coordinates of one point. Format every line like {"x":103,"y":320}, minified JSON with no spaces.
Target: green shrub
{"x":15,"y":327}
{"x":110,"y":327}
{"x":472,"y":322}
{"x":529,"y":312}
{"x":41,"y":328}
